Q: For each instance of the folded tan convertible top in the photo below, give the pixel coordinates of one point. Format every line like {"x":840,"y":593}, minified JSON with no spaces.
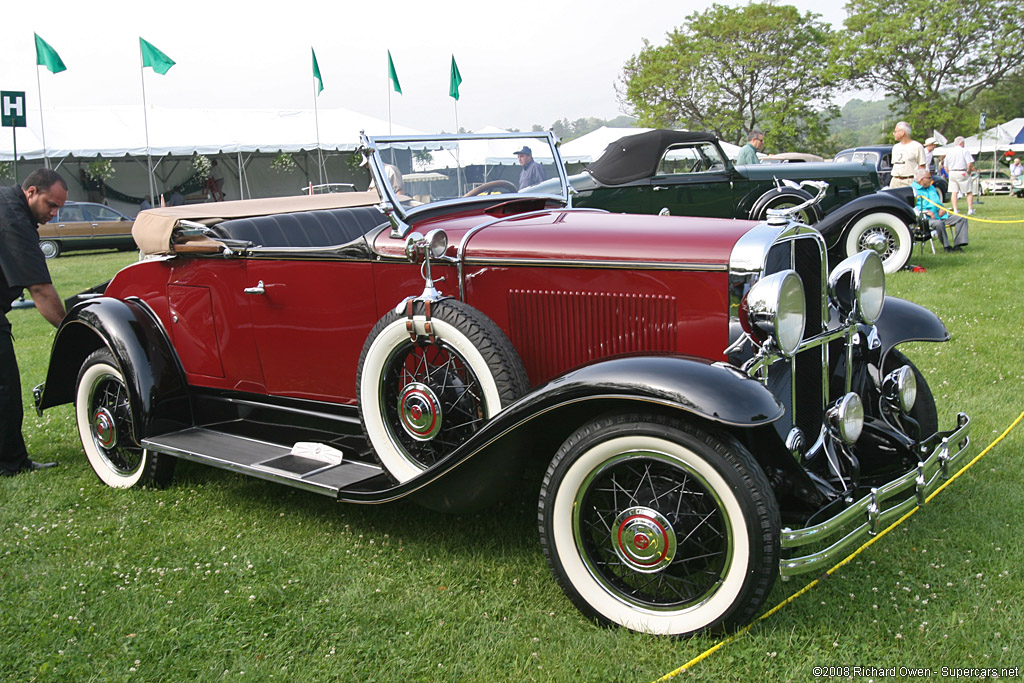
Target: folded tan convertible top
{"x":154,"y":228}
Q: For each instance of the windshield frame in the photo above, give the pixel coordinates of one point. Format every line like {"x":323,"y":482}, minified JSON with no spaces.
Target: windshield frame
{"x":398,"y":208}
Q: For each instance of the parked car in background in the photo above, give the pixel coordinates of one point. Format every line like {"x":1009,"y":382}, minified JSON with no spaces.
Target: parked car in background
{"x":996,"y":183}
{"x":687,"y":174}
{"x":880,"y":156}
{"x":84,"y":225}
{"x":713,"y":406}
{"x":1018,"y":185}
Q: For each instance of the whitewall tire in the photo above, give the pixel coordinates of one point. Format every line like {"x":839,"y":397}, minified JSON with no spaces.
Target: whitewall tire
{"x":104,"y":416}
{"x":655,"y":525}
{"x":420,"y":400}
{"x":884,"y":234}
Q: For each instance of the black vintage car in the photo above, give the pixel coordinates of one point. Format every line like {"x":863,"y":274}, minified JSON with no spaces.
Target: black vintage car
{"x":880,"y":156}
{"x":688,"y":174}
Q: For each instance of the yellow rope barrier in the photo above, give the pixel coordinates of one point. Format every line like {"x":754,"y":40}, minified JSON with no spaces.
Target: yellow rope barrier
{"x":725,"y":641}
{"x":970,"y":218}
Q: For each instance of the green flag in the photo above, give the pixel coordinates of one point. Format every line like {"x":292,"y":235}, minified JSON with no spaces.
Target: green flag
{"x":316,"y":74}
{"x":453,"y":87}
{"x":48,"y":57}
{"x":393,"y":75}
{"x":152,"y":57}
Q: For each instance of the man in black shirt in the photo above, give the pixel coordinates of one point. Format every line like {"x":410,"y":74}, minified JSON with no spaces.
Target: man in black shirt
{"x":22,"y":266}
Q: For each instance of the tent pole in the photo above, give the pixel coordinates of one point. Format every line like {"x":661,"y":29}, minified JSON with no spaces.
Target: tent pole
{"x":42,"y":125}
{"x":319,"y":154}
{"x":145,"y":123}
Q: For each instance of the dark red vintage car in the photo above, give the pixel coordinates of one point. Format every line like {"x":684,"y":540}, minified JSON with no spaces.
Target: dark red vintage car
{"x":714,"y":408}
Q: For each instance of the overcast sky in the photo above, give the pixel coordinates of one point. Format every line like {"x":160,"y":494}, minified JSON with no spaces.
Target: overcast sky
{"x":521,"y":63}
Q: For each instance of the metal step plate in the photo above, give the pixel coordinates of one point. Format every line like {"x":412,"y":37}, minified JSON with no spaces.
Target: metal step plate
{"x":295,"y":466}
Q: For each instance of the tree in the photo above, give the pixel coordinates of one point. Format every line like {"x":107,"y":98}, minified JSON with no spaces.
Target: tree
{"x":934,"y":58}
{"x":730,"y":69}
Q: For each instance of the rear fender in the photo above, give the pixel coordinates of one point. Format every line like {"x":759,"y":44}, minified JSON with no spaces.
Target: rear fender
{"x":151,"y":370}
{"x":835,"y":223}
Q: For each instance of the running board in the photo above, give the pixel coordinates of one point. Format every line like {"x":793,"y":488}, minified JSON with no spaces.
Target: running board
{"x":313,"y":467}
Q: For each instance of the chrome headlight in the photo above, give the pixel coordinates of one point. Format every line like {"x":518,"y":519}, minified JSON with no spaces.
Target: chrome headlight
{"x":437,"y":243}
{"x":774,"y":308}
{"x":846,"y":417}
{"x":900,"y":388}
{"x":857,"y":287}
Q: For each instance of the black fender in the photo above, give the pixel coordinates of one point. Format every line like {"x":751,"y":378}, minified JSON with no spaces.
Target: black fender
{"x":491,"y":458}
{"x":797,"y":194}
{"x":834,"y":225}
{"x":903,"y":321}
{"x":151,"y":370}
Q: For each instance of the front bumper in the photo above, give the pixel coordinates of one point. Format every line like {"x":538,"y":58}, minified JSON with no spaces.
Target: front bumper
{"x":864,"y":518}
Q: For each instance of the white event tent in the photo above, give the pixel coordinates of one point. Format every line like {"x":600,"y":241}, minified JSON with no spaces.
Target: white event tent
{"x":1002,"y":138}
{"x":244,"y":140}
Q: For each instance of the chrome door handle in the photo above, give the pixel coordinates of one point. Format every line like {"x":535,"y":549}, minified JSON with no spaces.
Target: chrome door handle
{"x":258,"y":289}
{"x":659,"y":188}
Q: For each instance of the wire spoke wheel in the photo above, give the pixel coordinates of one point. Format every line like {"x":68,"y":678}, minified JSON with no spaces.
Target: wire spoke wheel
{"x":103,"y":411}
{"x":424,"y":394}
{"x":432,"y":399}
{"x":884,"y":234}
{"x":653,"y":531}
{"x":654,"y":524}
{"x":111,"y":425}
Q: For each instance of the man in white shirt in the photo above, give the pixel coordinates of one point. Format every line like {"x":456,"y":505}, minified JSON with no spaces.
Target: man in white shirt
{"x":960,"y":165}
{"x":907,"y":156}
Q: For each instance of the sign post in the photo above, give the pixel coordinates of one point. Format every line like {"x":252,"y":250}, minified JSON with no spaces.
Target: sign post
{"x":12,"y":113}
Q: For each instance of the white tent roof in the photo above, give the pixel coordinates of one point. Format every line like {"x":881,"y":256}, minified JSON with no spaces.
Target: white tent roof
{"x":114,"y":131}
{"x":590,"y":147}
{"x":998,"y":139}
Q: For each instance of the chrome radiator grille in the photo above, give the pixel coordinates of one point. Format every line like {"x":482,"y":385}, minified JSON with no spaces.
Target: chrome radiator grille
{"x":800,"y":383}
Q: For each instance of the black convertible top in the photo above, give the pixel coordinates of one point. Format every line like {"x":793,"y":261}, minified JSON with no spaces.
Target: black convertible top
{"x":637,"y":156}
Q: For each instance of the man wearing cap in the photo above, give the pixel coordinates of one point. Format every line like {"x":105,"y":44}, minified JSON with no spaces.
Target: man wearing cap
{"x":929,"y":154}
{"x":907,"y":156}
{"x":532,"y":173}
{"x":22,"y":266}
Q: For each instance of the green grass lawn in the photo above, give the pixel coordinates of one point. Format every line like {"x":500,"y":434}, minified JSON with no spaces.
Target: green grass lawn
{"x":223,"y":577}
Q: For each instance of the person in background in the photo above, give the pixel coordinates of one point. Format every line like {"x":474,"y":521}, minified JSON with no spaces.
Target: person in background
{"x":531,"y":173}
{"x":960,"y":165}
{"x":929,"y":155}
{"x":391,"y":171}
{"x":748,"y":152}
{"x":1016,"y":169}
{"x":907,"y":156}
{"x":177,"y":198}
{"x":929,"y":203}
{"x":22,"y":266}
{"x":146,"y":204}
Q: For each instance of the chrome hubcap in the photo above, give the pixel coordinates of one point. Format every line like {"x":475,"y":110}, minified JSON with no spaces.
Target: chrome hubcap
{"x":104,"y":428}
{"x":643,"y":539}
{"x":419,"y":411}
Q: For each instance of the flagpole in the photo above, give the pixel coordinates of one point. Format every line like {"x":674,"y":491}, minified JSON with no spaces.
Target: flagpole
{"x":458,"y":172}
{"x":145,"y":123}
{"x":316,"y":120}
{"x":42,"y":125}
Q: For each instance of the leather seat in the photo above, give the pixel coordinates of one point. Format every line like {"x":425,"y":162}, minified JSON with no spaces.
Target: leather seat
{"x":308,"y":229}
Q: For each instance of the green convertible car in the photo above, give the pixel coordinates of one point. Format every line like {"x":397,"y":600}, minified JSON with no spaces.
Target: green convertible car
{"x":687,"y":174}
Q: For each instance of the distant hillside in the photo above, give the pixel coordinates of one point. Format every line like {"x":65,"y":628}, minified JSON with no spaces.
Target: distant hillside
{"x":863,"y":123}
